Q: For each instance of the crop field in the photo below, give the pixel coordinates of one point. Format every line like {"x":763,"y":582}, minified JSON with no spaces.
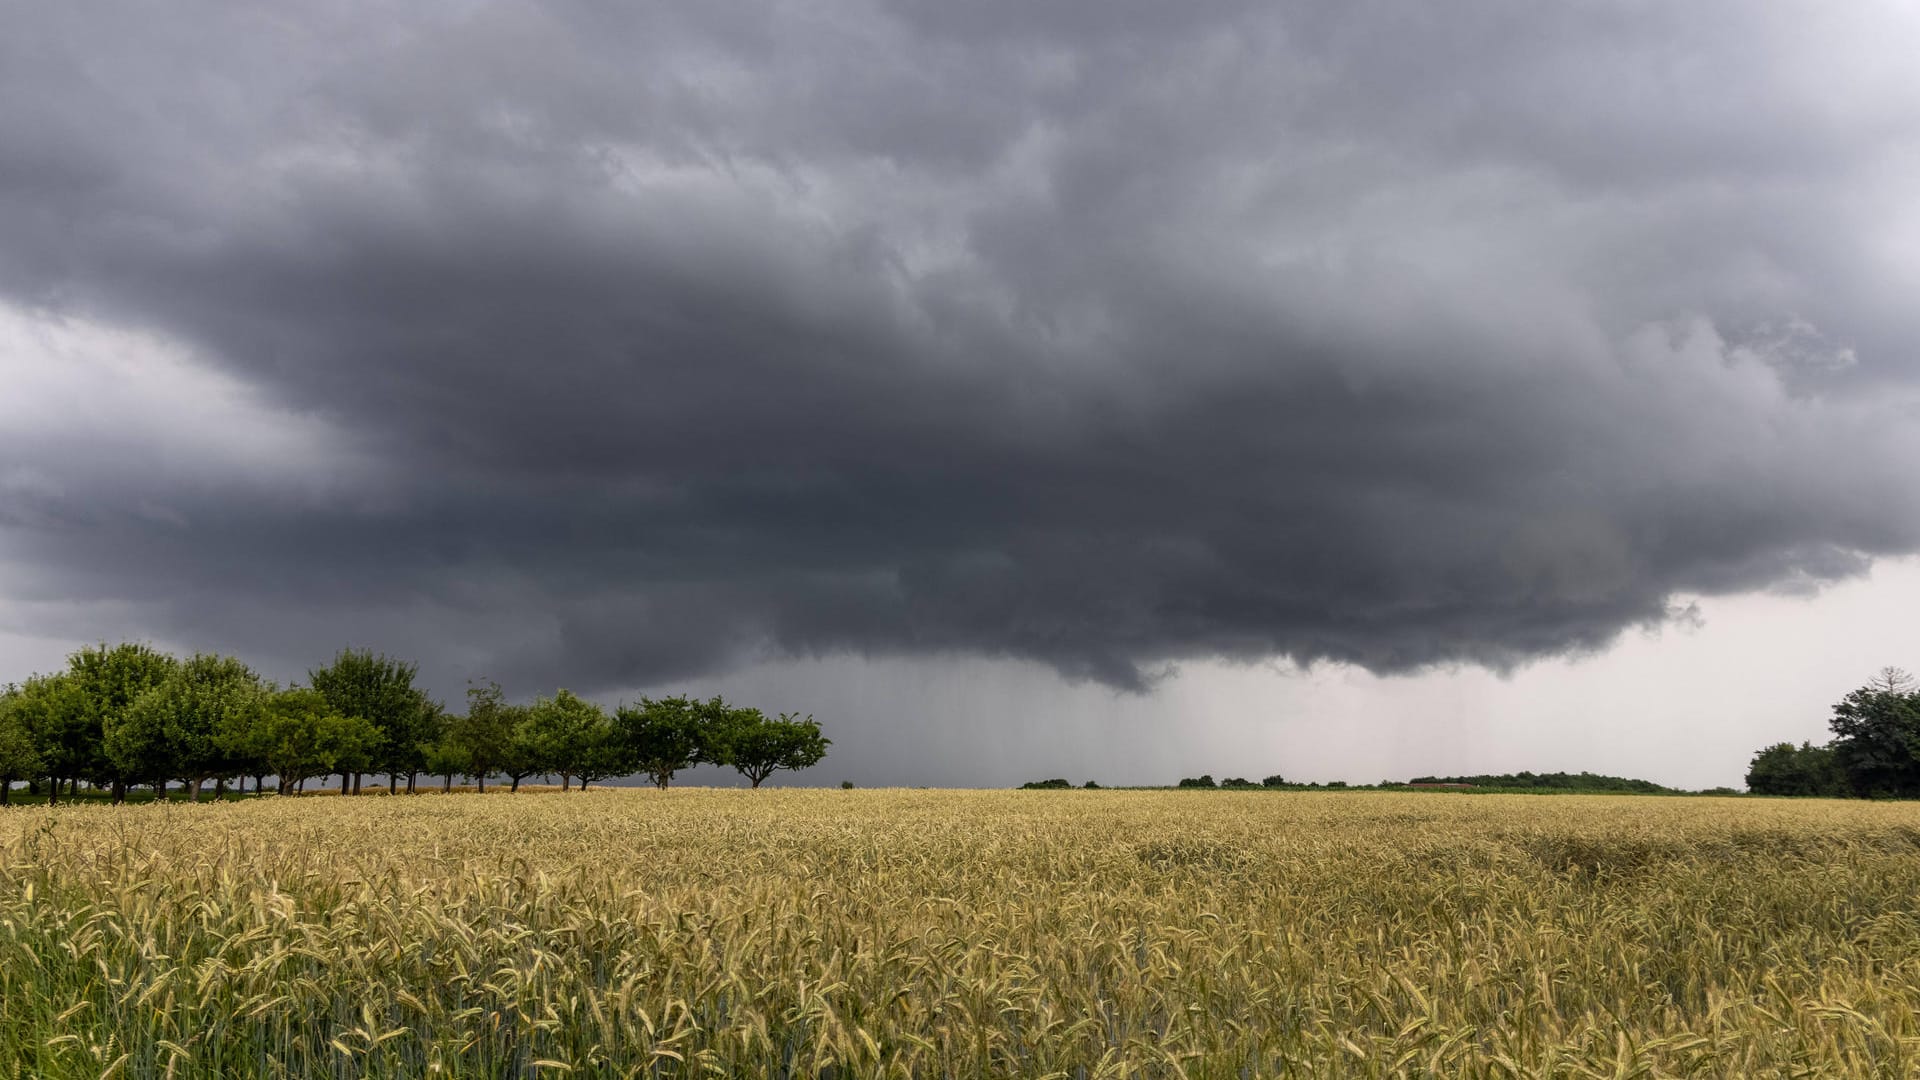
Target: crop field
{"x":962,"y":934}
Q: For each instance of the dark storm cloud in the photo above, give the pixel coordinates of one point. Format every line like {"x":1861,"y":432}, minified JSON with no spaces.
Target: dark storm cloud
{"x":631,"y":342}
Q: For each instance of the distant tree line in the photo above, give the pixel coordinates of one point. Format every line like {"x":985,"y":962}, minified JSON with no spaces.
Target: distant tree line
{"x":128,"y":715}
{"x":1205,"y":780}
{"x":1058,"y":783}
{"x":1874,"y":752}
{"x":1494,"y":782}
{"x":1555,"y":781}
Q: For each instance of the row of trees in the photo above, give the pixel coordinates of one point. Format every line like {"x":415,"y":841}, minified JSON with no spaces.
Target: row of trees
{"x":1874,"y":752}
{"x":1205,"y":780}
{"x":128,"y":715}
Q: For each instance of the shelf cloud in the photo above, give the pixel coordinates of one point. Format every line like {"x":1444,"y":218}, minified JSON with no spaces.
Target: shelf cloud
{"x":613,"y":344}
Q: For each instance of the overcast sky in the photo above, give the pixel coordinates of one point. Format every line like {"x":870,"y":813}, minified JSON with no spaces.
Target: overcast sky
{"x":1109,"y":388}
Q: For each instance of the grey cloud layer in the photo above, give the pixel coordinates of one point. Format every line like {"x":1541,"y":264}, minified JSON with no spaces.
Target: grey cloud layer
{"x":655,"y":339}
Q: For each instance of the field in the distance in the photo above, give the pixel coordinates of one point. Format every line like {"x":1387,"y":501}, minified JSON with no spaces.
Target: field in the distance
{"x":912,"y":933}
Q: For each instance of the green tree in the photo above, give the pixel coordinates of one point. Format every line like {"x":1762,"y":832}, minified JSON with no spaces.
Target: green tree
{"x":380,"y":689}
{"x":1784,"y":769}
{"x":19,"y":752}
{"x":484,"y":736}
{"x":661,"y":736}
{"x":1877,"y":737}
{"x":100,"y":686}
{"x":296,"y":736}
{"x":447,"y":759}
{"x":44,"y":712}
{"x":566,"y":729}
{"x":428,"y":733}
{"x":522,"y":755}
{"x":758,"y":747}
{"x":352,"y":744}
{"x":604,"y":756}
{"x":185,"y":727}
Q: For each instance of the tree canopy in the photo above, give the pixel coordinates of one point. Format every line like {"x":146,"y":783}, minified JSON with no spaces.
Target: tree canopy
{"x":1874,"y":752}
{"x":127,"y":715}
{"x":662,"y":736}
{"x":758,"y":747}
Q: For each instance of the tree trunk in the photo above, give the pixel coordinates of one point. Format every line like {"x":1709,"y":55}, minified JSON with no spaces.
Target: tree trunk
{"x":393,"y":783}
{"x":411,"y":777}
{"x":193,"y":790}
{"x":73,"y":788}
{"x":53,"y":792}
{"x":756,"y":781}
{"x":6,"y":791}
{"x":119,"y":792}
{"x":345,"y":784}
{"x":515,"y":789}
{"x":357,"y":777}
{"x":220,"y":789}
{"x":564,"y":781}
{"x":481,"y":783}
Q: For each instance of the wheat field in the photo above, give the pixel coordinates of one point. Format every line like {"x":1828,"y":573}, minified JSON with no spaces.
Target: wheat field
{"x":962,"y":934}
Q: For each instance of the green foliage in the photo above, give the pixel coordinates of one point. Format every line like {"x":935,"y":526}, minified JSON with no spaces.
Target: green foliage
{"x":522,"y":755}
{"x":1876,"y":740}
{"x":482,"y":740}
{"x":288,"y":736}
{"x":661,"y":736}
{"x":1055,"y":784}
{"x":349,"y":742}
{"x":100,"y":687}
{"x":19,"y":752}
{"x":1874,"y":754}
{"x":1237,"y":782}
{"x":1202,"y":781}
{"x":129,"y":714}
{"x":189,"y":726}
{"x":1276,"y":780}
{"x":1784,"y":769}
{"x":569,"y":736}
{"x":298,"y":735}
{"x":379,"y":689}
{"x":1556,"y":781}
{"x":449,"y":759}
{"x":758,"y":747}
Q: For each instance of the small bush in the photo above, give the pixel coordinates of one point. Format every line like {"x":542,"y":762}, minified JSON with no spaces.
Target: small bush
{"x":1276,"y":780}
{"x":1056,"y":783}
{"x":1204,"y":780}
{"x":1238,"y":782}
